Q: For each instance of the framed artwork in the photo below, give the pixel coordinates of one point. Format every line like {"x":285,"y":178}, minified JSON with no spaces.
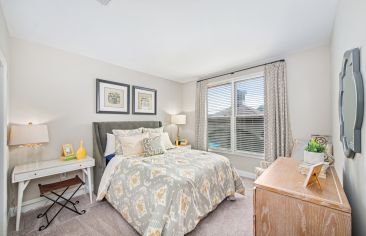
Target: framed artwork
{"x":143,"y":101}
{"x":67,"y":152}
{"x":313,"y":174}
{"x":113,"y":97}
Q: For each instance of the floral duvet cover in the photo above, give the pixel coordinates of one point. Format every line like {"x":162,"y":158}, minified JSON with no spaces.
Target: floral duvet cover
{"x":168,"y":194}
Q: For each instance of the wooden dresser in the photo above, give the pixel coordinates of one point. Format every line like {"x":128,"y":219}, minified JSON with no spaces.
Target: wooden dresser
{"x":282,"y":206}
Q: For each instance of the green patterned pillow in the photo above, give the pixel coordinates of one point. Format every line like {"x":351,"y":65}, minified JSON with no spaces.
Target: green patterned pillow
{"x":153,"y":146}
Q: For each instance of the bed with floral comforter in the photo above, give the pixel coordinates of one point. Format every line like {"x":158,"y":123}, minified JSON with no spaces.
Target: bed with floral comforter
{"x":168,"y":194}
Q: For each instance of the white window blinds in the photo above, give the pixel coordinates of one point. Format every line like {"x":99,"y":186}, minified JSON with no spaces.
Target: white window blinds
{"x":219,"y":108}
{"x":249,"y":115}
{"x":241,"y":129}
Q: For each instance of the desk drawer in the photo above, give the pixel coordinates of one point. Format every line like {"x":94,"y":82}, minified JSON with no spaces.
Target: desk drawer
{"x":52,"y":171}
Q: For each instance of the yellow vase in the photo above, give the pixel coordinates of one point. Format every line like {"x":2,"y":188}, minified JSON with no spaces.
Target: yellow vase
{"x":81,"y":153}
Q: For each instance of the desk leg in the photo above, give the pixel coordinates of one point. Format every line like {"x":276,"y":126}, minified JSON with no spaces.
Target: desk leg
{"x":21,"y":187}
{"x":89,"y":185}
{"x":84,"y":172}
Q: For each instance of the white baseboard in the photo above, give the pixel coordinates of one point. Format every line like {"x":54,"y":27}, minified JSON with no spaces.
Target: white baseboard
{"x":41,"y":201}
{"x":246,"y":174}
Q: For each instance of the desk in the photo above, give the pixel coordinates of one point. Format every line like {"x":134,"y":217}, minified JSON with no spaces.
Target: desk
{"x":23,"y":174}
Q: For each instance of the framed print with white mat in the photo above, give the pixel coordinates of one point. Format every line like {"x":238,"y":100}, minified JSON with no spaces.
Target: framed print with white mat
{"x":112,"y":97}
{"x":144,"y":101}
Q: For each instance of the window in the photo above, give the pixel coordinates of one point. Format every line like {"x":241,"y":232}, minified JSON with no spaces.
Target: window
{"x":241,"y":129}
{"x":219,"y":117}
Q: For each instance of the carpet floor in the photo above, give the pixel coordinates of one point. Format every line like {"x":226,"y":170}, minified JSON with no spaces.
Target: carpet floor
{"x":231,"y":218}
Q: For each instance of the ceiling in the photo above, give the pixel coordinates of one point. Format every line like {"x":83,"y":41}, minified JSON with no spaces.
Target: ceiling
{"x":180,"y":40}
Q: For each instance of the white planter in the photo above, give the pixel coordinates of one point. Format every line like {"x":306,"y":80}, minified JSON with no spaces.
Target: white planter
{"x":313,"y":157}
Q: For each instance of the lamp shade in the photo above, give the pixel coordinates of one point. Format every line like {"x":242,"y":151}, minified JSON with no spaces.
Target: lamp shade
{"x":28,"y":134}
{"x":178,"y":119}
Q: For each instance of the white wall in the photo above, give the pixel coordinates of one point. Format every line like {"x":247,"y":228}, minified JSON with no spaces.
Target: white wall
{"x":4,"y":59}
{"x":308,"y":94}
{"x":4,"y":36}
{"x":349,"y":32}
{"x":58,"y":88}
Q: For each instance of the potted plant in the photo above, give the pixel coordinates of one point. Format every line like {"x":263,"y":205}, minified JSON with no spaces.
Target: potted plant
{"x":314,"y":152}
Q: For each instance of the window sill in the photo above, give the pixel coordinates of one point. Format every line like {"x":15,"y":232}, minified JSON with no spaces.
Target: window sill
{"x":238,"y":154}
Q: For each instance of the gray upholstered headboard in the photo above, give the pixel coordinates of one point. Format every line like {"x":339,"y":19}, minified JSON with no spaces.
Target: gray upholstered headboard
{"x":100,"y":130}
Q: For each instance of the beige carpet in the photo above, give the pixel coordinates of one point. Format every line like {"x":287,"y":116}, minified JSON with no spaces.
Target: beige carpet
{"x":231,"y":218}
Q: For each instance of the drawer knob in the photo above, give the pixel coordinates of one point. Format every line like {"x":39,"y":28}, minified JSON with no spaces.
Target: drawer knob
{"x":35,"y":173}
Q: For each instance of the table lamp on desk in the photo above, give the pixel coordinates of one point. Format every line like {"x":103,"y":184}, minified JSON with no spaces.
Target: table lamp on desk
{"x":28,"y":135}
{"x":179,"y":120}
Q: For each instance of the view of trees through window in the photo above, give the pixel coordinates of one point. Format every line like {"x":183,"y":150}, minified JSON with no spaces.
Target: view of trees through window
{"x":240,"y":129}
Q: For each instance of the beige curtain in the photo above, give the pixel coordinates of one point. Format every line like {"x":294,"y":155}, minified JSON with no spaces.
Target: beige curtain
{"x":277,"y":132}
{"x":201,"y":115}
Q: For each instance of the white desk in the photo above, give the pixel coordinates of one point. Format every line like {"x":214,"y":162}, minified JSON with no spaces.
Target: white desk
{"x":23,"y":174}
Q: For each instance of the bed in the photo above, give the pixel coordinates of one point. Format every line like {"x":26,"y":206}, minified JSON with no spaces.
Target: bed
{"x":166,"y":194}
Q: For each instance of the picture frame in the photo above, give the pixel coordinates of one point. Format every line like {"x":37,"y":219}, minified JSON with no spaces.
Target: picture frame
{"x":112,"y":97}
{"x":144,"y":101}
{"x":68,"y":150}
{"x":313,"y":175}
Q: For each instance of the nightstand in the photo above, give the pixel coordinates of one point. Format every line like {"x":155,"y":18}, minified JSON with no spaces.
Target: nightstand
{"x":188,"y":147}
{"x":23,"y":174}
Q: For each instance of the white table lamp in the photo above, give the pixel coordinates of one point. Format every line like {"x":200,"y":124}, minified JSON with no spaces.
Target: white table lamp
{"x":178,"y":120}
{"x":28,"y":135}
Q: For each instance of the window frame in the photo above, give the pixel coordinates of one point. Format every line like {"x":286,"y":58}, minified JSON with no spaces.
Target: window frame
{"x":233,"y":149}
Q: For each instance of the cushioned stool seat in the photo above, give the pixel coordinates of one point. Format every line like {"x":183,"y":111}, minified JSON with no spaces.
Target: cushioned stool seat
{"x":50,"y":188}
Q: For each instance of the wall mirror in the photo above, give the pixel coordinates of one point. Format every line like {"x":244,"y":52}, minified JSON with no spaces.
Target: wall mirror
{"x":351,"y":103}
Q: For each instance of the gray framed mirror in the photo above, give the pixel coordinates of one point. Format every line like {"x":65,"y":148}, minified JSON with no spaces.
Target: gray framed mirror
{"x":351,"y":103}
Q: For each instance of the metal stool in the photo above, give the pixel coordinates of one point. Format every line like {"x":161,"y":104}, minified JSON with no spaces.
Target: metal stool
{"x":50,"y":188}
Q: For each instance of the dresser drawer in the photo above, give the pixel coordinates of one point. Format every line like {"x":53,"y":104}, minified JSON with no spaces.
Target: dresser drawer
{"x":283,"y":206}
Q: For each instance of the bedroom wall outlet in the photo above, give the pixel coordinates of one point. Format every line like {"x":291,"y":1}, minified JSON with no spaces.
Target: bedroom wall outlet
{"x":63,"y":176}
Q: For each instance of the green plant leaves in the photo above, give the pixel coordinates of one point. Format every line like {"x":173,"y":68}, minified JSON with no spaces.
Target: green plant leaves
{"x":314,"y":146}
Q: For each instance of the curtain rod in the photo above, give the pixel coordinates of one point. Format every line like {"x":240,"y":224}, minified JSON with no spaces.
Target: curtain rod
{"x":247,"y":68}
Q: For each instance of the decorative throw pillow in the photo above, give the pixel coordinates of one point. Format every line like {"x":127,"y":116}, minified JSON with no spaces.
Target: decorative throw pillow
{"x":153,"y":146}
{"x":110,"y":148}
{"x":132,"y":145}
{"x":153,"y":130}
{"x":127,"y":132}
{"x":123,"y":133}
{"x":165,"y":140}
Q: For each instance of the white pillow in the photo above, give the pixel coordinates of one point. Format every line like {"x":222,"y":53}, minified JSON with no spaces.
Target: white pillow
{"x":153,"y":130}
{"x":132,"y":145}
{"x":127,"y":132}
{"x":123,"y":133}
{"x":110,"y":147}
{"x":165,"y":139}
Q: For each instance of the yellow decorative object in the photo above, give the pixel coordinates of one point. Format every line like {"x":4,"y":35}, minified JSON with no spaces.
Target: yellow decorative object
{"x":81,"y":153}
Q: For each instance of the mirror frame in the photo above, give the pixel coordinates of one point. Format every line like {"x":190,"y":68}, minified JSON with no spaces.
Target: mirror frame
{"x":352,"y":56}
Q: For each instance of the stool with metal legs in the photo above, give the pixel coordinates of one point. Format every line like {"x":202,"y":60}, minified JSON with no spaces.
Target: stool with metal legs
{"x":50,"y":188}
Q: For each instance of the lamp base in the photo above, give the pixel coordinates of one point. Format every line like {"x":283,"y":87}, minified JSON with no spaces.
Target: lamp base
{"x":181,"y":142}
